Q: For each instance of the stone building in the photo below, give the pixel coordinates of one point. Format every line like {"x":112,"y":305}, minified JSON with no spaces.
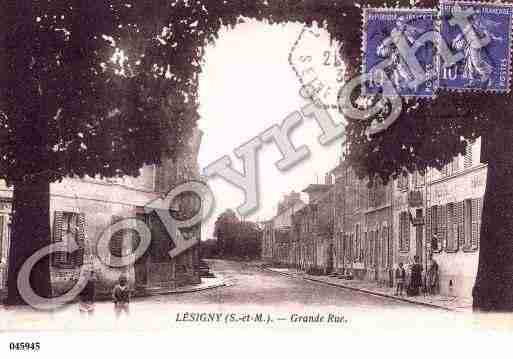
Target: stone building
{"x":363,"y":240}
{"x":313,"y":229}
{"x":83,"y":208}
{"x":453,"y":220}
{"x":349,"y":227}
{"x":267,"y":240}
{"x":433,"y":215}
{"x":277,"y":235}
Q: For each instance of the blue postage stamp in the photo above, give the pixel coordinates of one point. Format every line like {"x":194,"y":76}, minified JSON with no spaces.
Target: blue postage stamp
{"x":397,"y":59}
{"x":480,"y":35}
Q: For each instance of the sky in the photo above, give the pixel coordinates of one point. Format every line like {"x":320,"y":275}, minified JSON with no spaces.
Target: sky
{"x":248,"y":85}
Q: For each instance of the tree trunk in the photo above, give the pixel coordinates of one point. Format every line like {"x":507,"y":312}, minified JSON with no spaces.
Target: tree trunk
{"x":31,"y":232}
{"x":493,"y":289}
{"x":29,"y":111}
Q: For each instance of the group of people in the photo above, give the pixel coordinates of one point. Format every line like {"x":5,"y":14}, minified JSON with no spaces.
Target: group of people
{"x":120,"y":296}
{"x":416,"y":284}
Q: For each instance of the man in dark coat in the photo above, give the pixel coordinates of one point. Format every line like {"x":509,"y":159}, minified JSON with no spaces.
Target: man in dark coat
{"x":416,"y":277}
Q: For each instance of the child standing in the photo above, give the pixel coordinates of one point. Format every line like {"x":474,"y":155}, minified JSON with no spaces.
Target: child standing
{"x":400,"y":278}
{"x":88,"y":294}
{"x":121,"y":296}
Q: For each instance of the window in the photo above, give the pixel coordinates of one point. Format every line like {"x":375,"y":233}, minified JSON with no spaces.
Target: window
{"x":4,"y":236}
{"x":442,"y":226}
{"x":365,"y":248}
{"x":352,"y":245}
{"x":377,"y":243}
{"x":116,"y":242}
{"x":434,"y":218}
{"x":362,"y":246}
{"x":417,"y":179}
{"x":403,"y":182}
{"x":371,"y":248}
{"x":357,"y":244}
{"x":460,"y":211}
{"x":467,"y":162}
{"x":384,"y":251}
{"x":404,"y":232}
{"x":468,"y":224}
{"x":476,"y":221}
{"x":455,"y":164}
{"x":452,"y":227}
{"x":69,"y":227}
{"x":1,"y":237}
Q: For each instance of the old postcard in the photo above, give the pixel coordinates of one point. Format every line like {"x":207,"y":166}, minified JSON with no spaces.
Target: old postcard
{"x":279,"y":178}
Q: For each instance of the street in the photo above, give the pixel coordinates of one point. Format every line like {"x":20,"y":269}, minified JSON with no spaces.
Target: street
{"x":249,"y":285}
{"x":249,"y":289}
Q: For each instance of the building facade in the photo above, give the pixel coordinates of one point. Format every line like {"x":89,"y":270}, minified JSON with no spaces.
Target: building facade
{"x":82,"y":209}
{"x":349,"y":227}
{"x":277,"y":235}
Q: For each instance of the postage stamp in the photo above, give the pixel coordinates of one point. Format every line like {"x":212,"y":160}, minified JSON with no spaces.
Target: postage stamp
{"x":389,"y":34}
{"x":482,"y":34}
{"x":316,"y":62}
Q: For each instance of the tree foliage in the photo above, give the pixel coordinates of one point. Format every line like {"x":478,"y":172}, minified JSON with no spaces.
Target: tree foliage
{"x":428,"y":132}
{"x":235,"y":238}
{"x":101,"y":87}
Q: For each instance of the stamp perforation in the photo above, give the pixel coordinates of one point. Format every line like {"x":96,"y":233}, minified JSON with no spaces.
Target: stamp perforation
{"x":364,"y":28}
{"x":509,"y":52}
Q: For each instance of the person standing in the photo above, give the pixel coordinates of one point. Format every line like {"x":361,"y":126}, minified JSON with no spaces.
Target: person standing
{"x":416,"y":277}
{"x":121,"y":297}
{"x":400,"y":277}
{"x":88,"y":295}
{"x":432,"y":277}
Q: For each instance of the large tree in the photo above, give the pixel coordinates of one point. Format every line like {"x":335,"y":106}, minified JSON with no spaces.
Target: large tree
{"x":69,"y":111}
{"x":86,"y":88}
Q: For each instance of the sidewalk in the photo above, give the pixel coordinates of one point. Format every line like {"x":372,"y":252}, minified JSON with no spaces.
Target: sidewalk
{"x":436,"y":301}
{"x":206,"y":283}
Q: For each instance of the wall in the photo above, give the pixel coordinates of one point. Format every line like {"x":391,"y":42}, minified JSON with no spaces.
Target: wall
{"x":102,"y":199}
{"x":459,"y":267}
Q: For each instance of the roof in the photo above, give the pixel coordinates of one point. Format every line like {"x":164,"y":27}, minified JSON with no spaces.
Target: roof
{"x":318,"y":188}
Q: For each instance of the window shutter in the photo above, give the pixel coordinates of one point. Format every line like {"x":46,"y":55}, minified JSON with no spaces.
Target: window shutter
{"x":384,"y":252}
{"x":353,"y":247}
{"x":444,"y":224}
{"x":452,"y":226}
{"x":401,"y":231}
{"x":427,"y":225}
{"x":456,"y":164}
{"x":480,"y":214}
{"x":468,"y":156}
{"x":116,"y":242}
{"x":440,"y":226}
{"x":58,"y":258}
{"x":78,"y":256}
{"x":476,"y":222}
{"x":407,"y":231}
{"x":366,"y":251}
{"x":435,"y":245}
{"x":461,"y":224}
{"x":450,"y":233}
{"x":370,"y":248}
{"x":1,"y":236}
{"x":378,"y":248}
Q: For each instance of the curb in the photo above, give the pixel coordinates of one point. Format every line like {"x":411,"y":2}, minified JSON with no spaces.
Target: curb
{"x":105,"y":297}
{"x":184,"y":291}
{"x":366,"y":291}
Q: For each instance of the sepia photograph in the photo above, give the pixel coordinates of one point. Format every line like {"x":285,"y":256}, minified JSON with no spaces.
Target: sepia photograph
{"x":295,"y":178}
